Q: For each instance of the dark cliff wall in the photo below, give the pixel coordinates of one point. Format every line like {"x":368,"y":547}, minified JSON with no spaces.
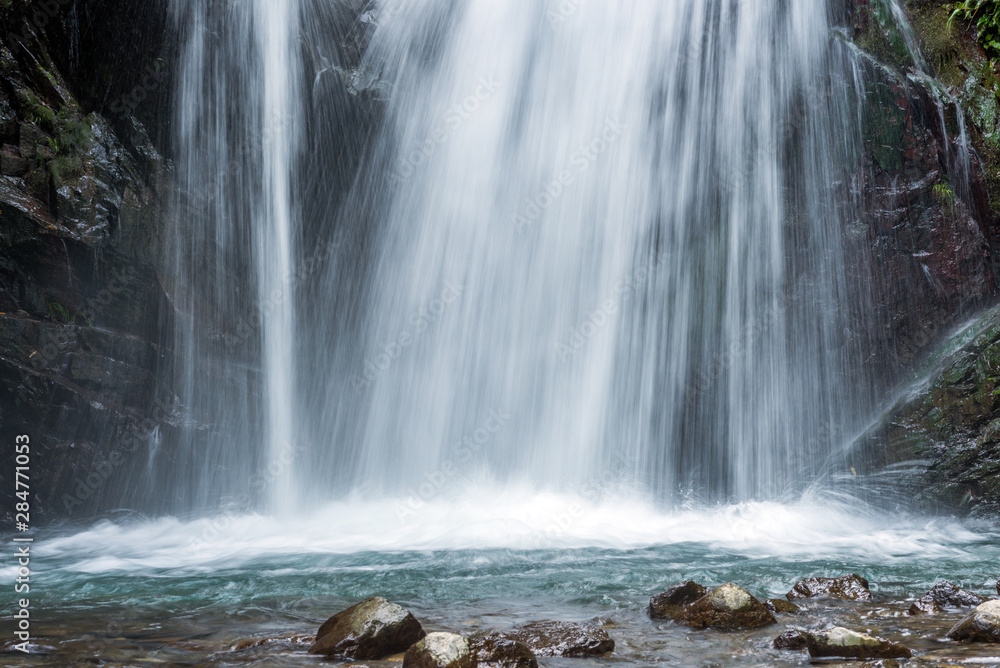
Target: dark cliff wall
{"x":83,"y":190}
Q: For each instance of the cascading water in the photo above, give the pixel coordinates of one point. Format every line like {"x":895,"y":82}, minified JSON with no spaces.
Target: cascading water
{"x":604,"y":248}
{"x":238,"y":122}
{"x":611,"y":243}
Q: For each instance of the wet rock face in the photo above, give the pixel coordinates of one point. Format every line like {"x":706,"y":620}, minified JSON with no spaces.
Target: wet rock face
{"x":981,"y":625}
{"x":727,"y":607}
{"x":781,"y":606}
{"x":670,"y":603}
{"x":945,"y":595}
{"x":439,"y":650}
{"x":791,"y":639}
{"x":841,"y":642}
{"x":372,"y":629}
{"x":847,"y":587}
{"x":495,"y":650}
{"x":563,"y":639}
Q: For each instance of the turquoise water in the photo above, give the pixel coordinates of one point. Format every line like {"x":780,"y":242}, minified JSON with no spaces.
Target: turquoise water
{"x":168,"y":592}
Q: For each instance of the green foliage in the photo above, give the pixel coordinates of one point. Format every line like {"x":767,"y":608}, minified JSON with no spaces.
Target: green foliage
{"x":59,"y":313}
{"x":944,"y":194}
{"x":986,"y":15}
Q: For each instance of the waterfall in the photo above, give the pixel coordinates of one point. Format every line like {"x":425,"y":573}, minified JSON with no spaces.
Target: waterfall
{"x":594,"y":245}
{"x":237,"y":233}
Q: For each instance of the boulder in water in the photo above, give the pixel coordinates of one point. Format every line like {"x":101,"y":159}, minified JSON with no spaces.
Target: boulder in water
{"x":563,"y":639}
{"x":945,"y":595}
{"x":727,"y":607}
{"x":495,"y":650}
{"x":790,"y":639}
{"x":780,"y":605}
{"x":847,"y":587}
{"x":670,"y":603}
{"x":981,"y":625}
{"x":841,"y":642}
{"x":372,"y":629}
{"x":439,"y":650}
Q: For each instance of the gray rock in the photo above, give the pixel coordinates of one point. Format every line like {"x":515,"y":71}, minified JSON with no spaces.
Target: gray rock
{"x":727,"y":607}
{"x":847,"y":587}
{"x":563,"y":639}
{"x":439,"y":650}
{"x":372,"y":629}
{"x":945,"y":595}
{"x":841,"y":642}
{"x":981,"y":625}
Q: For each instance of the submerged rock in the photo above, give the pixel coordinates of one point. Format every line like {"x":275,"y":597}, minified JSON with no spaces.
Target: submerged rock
{"x":846,"y":643}
{"x":780,"y":605}
{"x":945,"y":595}
{"x":981,"y":625}
{"x":851,"y":587}
{"x":670,"y":603}
{"x":563,"y":639}
{"x":881,"y":663}
{"x":495,"y":650}
{"x":372,"y":629}
{"x":791,"y":639}
{"x":439,"y":650}
{"x":727,"y":607}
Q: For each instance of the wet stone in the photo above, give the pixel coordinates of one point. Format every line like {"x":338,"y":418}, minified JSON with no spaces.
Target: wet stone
{"x":563,"y":639}
{"x":372,"y":629}
{"x":945,"y":595}
{"x":841,"y":642}
{"x":439,"y":650}
{"x":791,"y":639}
{"x":494,"y":650}
{"x":781,"y":606}
{"x":981,"y":625}
{"x":851,"y":587}
{"x":727,"y":607}
{"x":670,"y":603}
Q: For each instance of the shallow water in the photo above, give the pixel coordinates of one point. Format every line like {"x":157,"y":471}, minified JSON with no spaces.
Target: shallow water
{"x":197,"y":593}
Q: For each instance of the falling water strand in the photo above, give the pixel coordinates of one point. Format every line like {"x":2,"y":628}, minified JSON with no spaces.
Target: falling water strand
{"x":611,"y":250}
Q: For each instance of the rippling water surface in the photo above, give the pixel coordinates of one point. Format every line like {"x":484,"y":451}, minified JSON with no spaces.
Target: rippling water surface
{"x":203,"y":592}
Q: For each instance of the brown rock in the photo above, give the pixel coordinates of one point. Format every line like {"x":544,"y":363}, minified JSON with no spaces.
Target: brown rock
{"x":881,"y":663}
{"x":439,"y":650}
{"x":11,"y":162}
{"x":668,"y":604}
{"x":727,"y":607}
{"x":847,"y":587}
{"x":981,"y":625}
{"x":849,"y":644}
{"x":563,"y":639}
{"x":790,"y":639}
{"x":945,"y":595}
{"x":494,"y":650}
{"x":780,"y":605}
{"x":372,"y":629}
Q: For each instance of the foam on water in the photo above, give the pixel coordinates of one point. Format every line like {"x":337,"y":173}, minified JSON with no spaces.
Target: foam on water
{"x":811,"y":528}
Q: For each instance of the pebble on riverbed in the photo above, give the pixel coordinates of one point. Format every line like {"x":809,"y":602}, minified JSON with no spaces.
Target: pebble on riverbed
{"x":981,"y":625}
{"x":851,"y":587}
{"x":727,"y":607}
{"x":372,"y":629}
{"x":791,"y":639}
{"x":841,"y":642}
{"x":945,"y":595}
